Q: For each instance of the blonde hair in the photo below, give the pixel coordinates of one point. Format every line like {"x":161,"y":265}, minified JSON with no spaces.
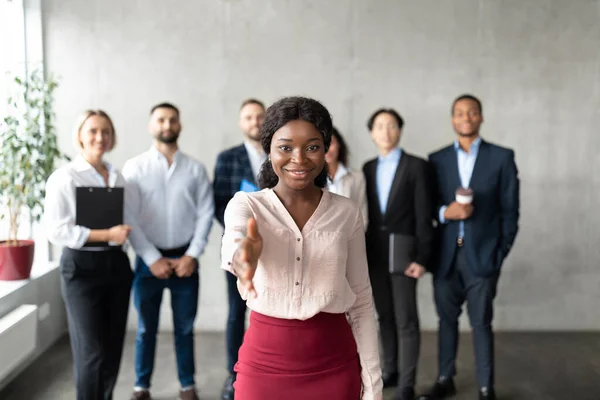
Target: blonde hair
{"x":84,"y":117}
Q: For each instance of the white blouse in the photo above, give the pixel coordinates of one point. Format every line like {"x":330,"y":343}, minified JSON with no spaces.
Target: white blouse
{"x":351,"y":184}
{"x":60,"y":210}
{"x":322,"y":268}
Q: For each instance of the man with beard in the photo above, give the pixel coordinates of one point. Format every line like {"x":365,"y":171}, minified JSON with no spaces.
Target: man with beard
{"x":175,"y":214}
{"x":478,"y":200}
{"x":237,"y":170}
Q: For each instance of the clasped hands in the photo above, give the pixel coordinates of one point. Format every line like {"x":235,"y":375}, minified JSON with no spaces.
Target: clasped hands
{"x":183,"y":267}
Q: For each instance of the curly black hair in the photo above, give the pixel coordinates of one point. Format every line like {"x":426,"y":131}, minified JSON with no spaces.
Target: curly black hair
{"x":280,"y":113}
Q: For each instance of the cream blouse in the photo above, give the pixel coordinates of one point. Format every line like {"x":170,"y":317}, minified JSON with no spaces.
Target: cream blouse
{"x":322,"y":268}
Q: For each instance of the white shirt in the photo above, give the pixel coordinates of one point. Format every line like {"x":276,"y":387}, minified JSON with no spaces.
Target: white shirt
{"x":176,"y":206}
{"x":60,"y":207}
{"x":256,"y":158}
{"x":351,"y":184}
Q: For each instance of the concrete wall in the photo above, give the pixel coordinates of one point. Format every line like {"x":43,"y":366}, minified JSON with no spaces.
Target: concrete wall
{"x":534,"y":63}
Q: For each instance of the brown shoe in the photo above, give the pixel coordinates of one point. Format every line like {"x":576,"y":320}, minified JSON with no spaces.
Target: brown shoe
{"x":188,"y":395}
{"x":141,"y":395}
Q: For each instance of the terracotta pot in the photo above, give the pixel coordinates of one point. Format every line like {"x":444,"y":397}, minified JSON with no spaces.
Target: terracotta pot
{"x":16,"y":260}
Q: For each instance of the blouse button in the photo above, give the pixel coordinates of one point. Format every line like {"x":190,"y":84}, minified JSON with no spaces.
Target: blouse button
{"x":297,"y":258}
{"x":298,"y":239}
{"x":228,"y":262}
{"x":297,"y":283}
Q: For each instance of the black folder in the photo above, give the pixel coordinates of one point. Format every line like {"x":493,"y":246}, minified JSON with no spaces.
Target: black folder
{"x":403,"y":251}
{"x":99,"y":208}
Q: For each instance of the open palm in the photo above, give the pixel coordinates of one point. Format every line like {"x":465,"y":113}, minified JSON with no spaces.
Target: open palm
{"x":245,"y":259}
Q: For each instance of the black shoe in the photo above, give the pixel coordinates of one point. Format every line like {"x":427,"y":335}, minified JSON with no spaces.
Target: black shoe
{"x":390,"y":379}
{"x":487,"y":394}
{"x":228,"y":391}
{"x":405,"y":393}
{"x":443,"y":388}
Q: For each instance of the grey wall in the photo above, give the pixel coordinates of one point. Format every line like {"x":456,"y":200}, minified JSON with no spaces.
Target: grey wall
{"x":534,"y":63}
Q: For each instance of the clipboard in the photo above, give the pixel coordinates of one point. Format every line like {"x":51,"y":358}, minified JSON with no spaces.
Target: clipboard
{"x":99,"y":208}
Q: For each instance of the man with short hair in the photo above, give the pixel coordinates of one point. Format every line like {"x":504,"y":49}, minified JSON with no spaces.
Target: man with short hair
{"x":478,"y":203}
{"x":176,"y":212}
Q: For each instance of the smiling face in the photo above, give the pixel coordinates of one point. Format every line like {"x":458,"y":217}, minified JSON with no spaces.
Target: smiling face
{"x":96,"y":137}
{"x":164,"y":125}
{"x":466,"y":118}
{"x":297,"y":154}
{"x":252,"y":116}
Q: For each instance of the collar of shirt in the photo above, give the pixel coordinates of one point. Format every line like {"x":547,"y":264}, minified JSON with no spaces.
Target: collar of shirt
{"x":161,"y":156}
{"x":257,"y":158}
{"x":253,"y":152}
{"x":341,"y":172}
{"x":392,"y":157}
{"x":80,"y":164}
{"x":474,"y":146}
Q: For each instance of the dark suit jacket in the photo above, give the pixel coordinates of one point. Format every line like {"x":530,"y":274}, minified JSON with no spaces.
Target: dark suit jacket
{"x":409,"y":210}
{"x":492,"y":228}
{"x":233,"y":166}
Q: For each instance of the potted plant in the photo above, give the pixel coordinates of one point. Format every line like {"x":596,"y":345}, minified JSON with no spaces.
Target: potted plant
{"x":28,"y":152}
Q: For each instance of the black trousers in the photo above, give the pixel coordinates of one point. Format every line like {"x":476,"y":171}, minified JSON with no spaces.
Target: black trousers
{"x":396,"y":303}
{"x":96,"y":287}
{"x":450,"y":293}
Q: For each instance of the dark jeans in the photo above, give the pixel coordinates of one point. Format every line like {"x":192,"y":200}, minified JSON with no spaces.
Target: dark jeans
{"x":96,"y":286}
{"x":450,"y":293}
{"x":147,"y":297}
{"x":396,"y":303}
{"x":236,"y":321}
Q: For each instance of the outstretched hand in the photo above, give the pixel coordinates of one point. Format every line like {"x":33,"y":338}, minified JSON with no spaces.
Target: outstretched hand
{"x":245,"y":259}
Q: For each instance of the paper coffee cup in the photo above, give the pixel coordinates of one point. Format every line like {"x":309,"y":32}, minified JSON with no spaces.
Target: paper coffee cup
{"x":464,"y":196}
{"x":464,"y":199}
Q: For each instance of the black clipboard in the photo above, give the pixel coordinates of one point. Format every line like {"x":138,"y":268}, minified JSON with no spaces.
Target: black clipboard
{"x":99,"y":208}
{"x":403,"y":251}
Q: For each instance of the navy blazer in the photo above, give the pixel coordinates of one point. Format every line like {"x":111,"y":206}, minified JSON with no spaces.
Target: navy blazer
{"x":492,"y":228}
{"x":233,"y":166}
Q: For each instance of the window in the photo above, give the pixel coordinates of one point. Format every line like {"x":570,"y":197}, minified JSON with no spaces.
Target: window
{"x":12,"y":45}
{"x":20,"y":43}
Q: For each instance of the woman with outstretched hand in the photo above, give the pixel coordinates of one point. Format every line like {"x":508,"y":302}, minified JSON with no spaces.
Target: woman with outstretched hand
{"x":299,"y":254}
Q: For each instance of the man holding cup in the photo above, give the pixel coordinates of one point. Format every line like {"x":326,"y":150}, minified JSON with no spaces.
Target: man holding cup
{"x":478,"y":199}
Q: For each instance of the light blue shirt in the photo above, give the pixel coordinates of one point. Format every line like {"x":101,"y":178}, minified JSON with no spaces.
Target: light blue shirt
{"x":466,"y":164}
{"x":386,"y":170}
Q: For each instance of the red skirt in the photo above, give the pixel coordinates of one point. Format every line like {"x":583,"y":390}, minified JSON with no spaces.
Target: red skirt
{"x":286,"y":359}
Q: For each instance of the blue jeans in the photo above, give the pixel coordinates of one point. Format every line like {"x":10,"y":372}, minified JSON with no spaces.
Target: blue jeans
{"x":147,"y":296}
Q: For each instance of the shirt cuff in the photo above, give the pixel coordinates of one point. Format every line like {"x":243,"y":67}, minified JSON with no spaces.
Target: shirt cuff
{"x":150,"y":256}
{"x":82,"y":236}
{"x":195,"y":249}
{"x":441,"y":216}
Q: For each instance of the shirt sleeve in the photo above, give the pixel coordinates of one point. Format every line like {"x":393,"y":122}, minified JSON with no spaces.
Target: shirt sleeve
{"x":59,"y":213}
{"x":362,"y":313}
{"x":140,"y":243}
{"x":205,"y":211}
{"x":236,"y":218}
{"x":441,"y":214}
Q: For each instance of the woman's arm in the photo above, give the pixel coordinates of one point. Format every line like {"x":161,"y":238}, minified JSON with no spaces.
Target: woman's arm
{"x":362,"y":313}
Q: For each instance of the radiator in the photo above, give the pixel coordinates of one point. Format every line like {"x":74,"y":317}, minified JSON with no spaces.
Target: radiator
{"x":18,"y":336}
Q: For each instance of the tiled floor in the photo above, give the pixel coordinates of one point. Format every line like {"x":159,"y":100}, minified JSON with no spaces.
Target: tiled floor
{"x":537,"y":366}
